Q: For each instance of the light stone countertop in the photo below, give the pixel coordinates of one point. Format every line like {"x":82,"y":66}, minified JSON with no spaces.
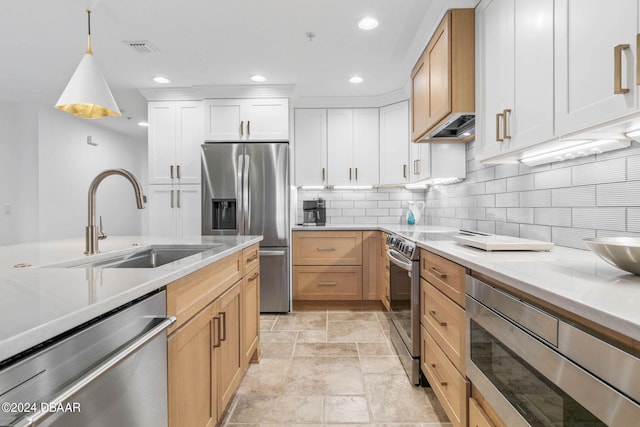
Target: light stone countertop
{"x":40,"y":302}
{"x":574,"y":280}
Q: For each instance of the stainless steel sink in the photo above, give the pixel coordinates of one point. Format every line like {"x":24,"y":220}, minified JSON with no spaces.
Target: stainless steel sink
{"x":148,"y":257}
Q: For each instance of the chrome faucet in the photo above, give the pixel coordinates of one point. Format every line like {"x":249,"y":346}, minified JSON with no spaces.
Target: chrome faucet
{"x":92,"y":234}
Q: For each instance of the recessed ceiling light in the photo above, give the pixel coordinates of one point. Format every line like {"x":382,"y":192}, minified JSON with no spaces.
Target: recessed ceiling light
{"x":356,"y":80}
{"x":143,"y":124}
{"x":368,"y":23}
{"x":258,"y":78}
{"x":161,"y":79}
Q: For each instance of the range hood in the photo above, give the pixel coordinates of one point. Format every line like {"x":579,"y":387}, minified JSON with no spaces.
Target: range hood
{"x":459,"y":127}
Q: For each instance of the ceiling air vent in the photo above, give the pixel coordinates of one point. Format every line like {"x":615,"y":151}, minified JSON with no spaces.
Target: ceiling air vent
{"x":142,"y":46}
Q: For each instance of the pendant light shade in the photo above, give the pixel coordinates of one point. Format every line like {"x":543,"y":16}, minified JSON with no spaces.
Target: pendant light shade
{"x":87,"y":94}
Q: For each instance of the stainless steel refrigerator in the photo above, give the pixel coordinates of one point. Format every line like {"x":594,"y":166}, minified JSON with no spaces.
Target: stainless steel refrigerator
{"x":245,"y":190}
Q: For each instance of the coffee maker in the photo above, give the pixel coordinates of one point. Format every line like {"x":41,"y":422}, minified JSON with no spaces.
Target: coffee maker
{"x":314,"y":212}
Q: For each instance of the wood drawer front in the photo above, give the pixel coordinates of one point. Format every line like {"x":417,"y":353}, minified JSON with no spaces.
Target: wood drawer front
{"x":190,"y":294}
{"x":327,"y":248}
{"x":251,"y":258}
{"x":327,"y":283}
{"x":451,"y":389}
{"x":445,"y":321}
{"x":477,"y":417}
{"x":445,"y":275}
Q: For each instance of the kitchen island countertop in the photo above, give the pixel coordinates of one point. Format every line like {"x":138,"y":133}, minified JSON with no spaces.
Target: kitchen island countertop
{"x":42,"y":301}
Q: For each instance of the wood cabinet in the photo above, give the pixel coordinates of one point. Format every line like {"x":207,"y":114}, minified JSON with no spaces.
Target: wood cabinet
{"x":336,"y":265}
{"x":246,"y":119}
{"x":174,"y":210}
{"x":477,"y":417}
{"x":595,"y":71}
{"x":515,"y":75}
{"x":310,"y":146}
{"x":175,"y":135}
{"x":353,"y":146}
{"x":443,"y":78}
{"x":251,"y":304}
{"x":442,"y":333}
{"x":394,"y":144}
{"x":208,"y":344}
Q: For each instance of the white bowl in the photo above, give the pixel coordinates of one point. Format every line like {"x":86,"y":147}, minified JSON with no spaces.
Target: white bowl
{"x":622,"y":252}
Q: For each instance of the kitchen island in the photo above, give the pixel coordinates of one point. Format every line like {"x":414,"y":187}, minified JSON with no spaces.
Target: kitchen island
{"x":46,"y":299}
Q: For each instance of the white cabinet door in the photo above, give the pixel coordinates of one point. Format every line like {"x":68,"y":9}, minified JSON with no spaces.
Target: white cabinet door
{"x":310,"y":146}
{"x":174,"y":210}
{"x":420,"y":162}
{"x":394,"y":144}
{"x":267,"y":119}
{"x":223,"y":119}
{"x":340,"y":146}
{"x":366,"y":146}
{"x":175,"y":136}
{"x":246,"y":119}
{"x":587,"y":33}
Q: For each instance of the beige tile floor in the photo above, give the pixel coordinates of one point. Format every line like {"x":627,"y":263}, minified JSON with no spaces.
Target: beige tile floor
{"x":330,"y":368}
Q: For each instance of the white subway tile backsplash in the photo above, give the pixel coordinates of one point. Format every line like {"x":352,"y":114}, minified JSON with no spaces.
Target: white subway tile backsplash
{"x":535,"y":232}
{"x":600,"y":218}
{"x":486,"y":201}
{"x":520,"y":183}
{"x":571,"y":237}
{"x":520,"y":215}
{"x":365,"y":204}
{"x":553,"y":216}
{"x":377,"y":212}
{"x":618,"y":194}
{"x":633,"y":168}
{"x":506,"y":170}
{"x":486,"y":227}
{"x":508,"y":200}
{"x":353,"y":212}
{"x":496,"y":214}
{"x":555,"y":178}
{"x":497,"y":186}
{"x":633,"y":220}
{"x":574,"y":196}
{"x":392,"y":204}
{"x":535,"y":198}
{"x":336,"y":204}
{"x":377,"y":196}
{"x":477,"y":213}
{"x":508,"y":229}
{"x":341,"y":220}
{"x":366,"y":220}
{"x":485,"y":174}
{"x":599,"y":172}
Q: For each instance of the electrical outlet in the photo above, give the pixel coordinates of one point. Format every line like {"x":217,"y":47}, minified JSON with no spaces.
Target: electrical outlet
{"x":7,"y":208}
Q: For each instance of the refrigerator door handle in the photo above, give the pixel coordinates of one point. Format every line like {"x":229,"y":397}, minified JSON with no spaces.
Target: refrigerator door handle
{"x":240,"y":196}
{"x":246,"y":202}
{"x":272,"y":253}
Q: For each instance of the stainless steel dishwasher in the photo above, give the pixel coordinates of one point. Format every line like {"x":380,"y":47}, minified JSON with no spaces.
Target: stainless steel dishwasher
{"x":109,"y":372}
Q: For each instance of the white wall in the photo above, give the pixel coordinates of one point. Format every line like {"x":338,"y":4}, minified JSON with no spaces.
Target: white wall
{"x":46,"y":167}
{"x":67,"y":165}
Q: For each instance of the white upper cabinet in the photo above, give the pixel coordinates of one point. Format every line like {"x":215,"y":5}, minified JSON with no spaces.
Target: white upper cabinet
{"x":310,"y":146}
{"x":352,"y":141}
{"x":515,"y":75}
{"x":174,"y":211}
{"x":175,"y":135}
{"x":246,"y":119}
{"x":394,"y":144}
{"x":595,"y":62}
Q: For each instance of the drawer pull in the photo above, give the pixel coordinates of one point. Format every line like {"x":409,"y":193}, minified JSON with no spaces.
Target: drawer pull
{"x":435,"y":316}
{"x":325,"y":248}
{"x":617,"y":69}
{"x":439,"y":273}
{"x":252,"y":258}
{"x":435,"y":374}
{"x":254,"y":277}
{"x":216,"y":332}
{"x":327,"y":283}
{"x":223,"y":320}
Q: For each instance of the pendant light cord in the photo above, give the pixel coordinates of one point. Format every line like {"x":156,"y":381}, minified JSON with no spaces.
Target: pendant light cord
{"x":89,"y":32}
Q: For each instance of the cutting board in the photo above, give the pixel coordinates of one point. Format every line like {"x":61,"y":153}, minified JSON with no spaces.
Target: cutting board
{"x":503,"y":243}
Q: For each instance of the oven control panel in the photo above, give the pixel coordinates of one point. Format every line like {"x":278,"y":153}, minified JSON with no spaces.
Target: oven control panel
{"x":404,"y":246}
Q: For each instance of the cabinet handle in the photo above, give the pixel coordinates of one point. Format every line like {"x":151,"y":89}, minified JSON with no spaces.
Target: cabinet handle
{"x":637,"y":60}
{"x":415,"y":167}
{"x":178,"y":171}
{"x":254,"y":277}
{"x":172,"y":199}
{"x":435,"y":374}
{"x":216,"y":328}
{"x":171,"y":171}
{"x":323,"y":178}
{"x":498,"y":127}
{"x":223,"y":320}
{"x":252,"y":258}
{"x":356,"y":174}
{"x":327,"y":283}
{"x":178,"y":199}
{"x":248,"y":127}
{"x":505,"y":121}
{"x":438,"y":273}
{"x":349,"y":174}
{"x":617,"y":69}
{"x":404,"y":171}
{"x":325,"y":248}
{"x":435,"y":316}
{"x":242,"y":128}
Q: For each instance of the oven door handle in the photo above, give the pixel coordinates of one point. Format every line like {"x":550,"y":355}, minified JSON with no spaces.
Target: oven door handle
{"x":37,"y":417}
{"x":398,"y":259}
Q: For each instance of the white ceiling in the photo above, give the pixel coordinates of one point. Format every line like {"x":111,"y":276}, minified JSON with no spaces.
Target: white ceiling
{"x":212,"y":42}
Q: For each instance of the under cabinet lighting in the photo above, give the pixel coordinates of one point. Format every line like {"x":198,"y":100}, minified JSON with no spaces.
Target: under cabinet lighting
{"x":352,"y":187}
{"x":312,"y":187}
{"x":423,"y":185}
{"x":633,"y":134}
{"x":582,"y":149}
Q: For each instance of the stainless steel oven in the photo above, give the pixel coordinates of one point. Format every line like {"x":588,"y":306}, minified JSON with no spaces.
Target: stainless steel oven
{"x":537,"y":369}
{"x":404,"y":302}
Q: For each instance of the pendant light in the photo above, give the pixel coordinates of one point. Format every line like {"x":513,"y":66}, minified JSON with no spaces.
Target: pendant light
{"x":87,"y":94}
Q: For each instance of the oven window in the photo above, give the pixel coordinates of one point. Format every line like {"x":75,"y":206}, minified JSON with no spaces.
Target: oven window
{"x":539,"y":401}
{"x":400,"y":298}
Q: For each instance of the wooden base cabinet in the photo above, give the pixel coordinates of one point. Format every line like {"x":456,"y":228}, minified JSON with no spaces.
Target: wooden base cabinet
{"x":251,"y":305}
